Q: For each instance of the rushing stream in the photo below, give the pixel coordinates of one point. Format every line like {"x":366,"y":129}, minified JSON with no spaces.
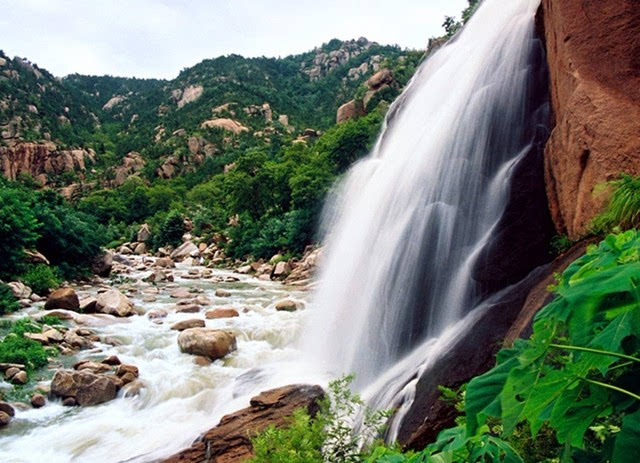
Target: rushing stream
{"x":181,"y":399}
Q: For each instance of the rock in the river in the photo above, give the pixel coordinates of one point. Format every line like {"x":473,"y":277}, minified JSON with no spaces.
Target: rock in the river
{"x":6,"y":408}
{"x":37,"y":400}
{"x":287,"y":305}
{"x":20,"y":290}
{"x":4,"y":419}
{"x":20,"y":378}
{"x":181,"y":293}
{"x":222,"y":293}
{"x":227,"y":312}
{"x":186,"y":324}
{"x":208,"y":342}
{"x":230,"y":441}
{"x":84,"y":387}
{"x":113,"y":302}
{"x":64,"y":298}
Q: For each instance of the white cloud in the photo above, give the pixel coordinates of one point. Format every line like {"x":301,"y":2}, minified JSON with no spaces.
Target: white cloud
{"x":158,"y":38}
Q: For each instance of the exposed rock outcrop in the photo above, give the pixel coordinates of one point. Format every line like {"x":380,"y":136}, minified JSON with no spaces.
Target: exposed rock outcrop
{"x":350,"y":110}
{"x":593,"y":52}
{"x":131,"y":164}
{"x":230,"y":441}
{"x":42,"y":160}
{"x":226,"y":124}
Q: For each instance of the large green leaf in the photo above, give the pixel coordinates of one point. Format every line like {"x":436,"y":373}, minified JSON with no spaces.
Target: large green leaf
{"x":482,"y":398}
{"x":627,"y":445}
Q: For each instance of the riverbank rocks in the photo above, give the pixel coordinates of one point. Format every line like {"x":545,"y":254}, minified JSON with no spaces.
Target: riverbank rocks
{"x":103,"y":264}
{"x":113,"y":302}
{"x":6,"y":413}
{"x":16,"y":375}
{"x":230,"y":440}
{"x":226,"y":312}
{"x":207,"y":342}
{"x":186,"y":249}
{"x":187,"y":324}
{"x":64,"y":298}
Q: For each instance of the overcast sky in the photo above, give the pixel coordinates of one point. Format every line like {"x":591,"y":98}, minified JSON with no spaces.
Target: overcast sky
{"x":158,"y":38}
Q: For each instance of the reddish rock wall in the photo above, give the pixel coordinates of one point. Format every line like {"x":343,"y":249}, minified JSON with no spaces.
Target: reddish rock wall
{"x":593,"y":49}
{"x":40,"y":160}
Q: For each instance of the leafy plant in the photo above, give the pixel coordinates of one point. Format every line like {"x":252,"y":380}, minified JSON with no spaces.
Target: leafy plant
{"x":581,"y":363}
{"x":623,"y":209}
{"x":8,"y":302}
{"x":18,"y":349}
{"x":330,"y":436}
{"x":41,"y":279}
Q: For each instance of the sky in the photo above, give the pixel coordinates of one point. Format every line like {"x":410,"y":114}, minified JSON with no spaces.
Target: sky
{"x":159,"y":38}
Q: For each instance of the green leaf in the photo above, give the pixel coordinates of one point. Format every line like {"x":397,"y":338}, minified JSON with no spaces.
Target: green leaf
{"x":482,"y":398}
{"x":627,"y":445}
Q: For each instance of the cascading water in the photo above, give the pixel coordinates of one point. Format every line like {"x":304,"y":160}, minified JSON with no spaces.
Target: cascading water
{"x":411,"y":220}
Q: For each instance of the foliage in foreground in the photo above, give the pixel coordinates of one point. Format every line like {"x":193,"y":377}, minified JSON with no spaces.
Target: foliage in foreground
{"x":330,"y":436}
{"x":570,"y":393}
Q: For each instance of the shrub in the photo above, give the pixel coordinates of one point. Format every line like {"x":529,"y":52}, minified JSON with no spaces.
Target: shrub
{"x":41,"y":279}
{"x":170,"y":231}
{"x":330,"y":436}
{"x":17,"y":349}
{"x":18,"y":228}
{"x":623,"y":209}
{"x":8,"y":302}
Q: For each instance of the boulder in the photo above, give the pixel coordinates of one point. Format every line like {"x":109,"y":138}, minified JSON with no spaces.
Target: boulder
{"x":350,"y":110}
{"x":113,"y":302}
{"x":84,"y":387}
{"x":34,"y":257}
{"x":221,"y":313}
{"x":207,"y":342}
{"x":64,"y":298}
{"x":380,"y":78}
{"x":185,"y":250}
{"x":140,"y":249}
{"x":180,"y":293}
{"x":188,"y":308}
{"x":281,"y":270}
{"x":20,"y":378}
{"x":164,"y":262}
{"x":4,"y":419}
{"x":187,"y":324}
{"x":144,"y":233}
{"x":230,"y":440}
{"x":20,"y":290}
{"x":222,"y":293}
{"x":593,"y":55}
{"x":225,"y":124}
{"x":287,"y":305}
{"x":7,"y":408}
{"x":37,"y":400}
{"x":102,"y":264}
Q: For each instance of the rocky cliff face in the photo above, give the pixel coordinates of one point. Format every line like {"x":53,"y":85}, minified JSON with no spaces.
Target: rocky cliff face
{"x":593,"y":49}
{"x":42,"y":160}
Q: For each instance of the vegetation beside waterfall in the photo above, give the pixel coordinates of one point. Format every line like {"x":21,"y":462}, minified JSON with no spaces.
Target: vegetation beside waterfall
{"x":571,"y":392}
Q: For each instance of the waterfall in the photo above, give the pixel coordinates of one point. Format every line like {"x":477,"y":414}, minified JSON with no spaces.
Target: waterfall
{"x":410,"y":221}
